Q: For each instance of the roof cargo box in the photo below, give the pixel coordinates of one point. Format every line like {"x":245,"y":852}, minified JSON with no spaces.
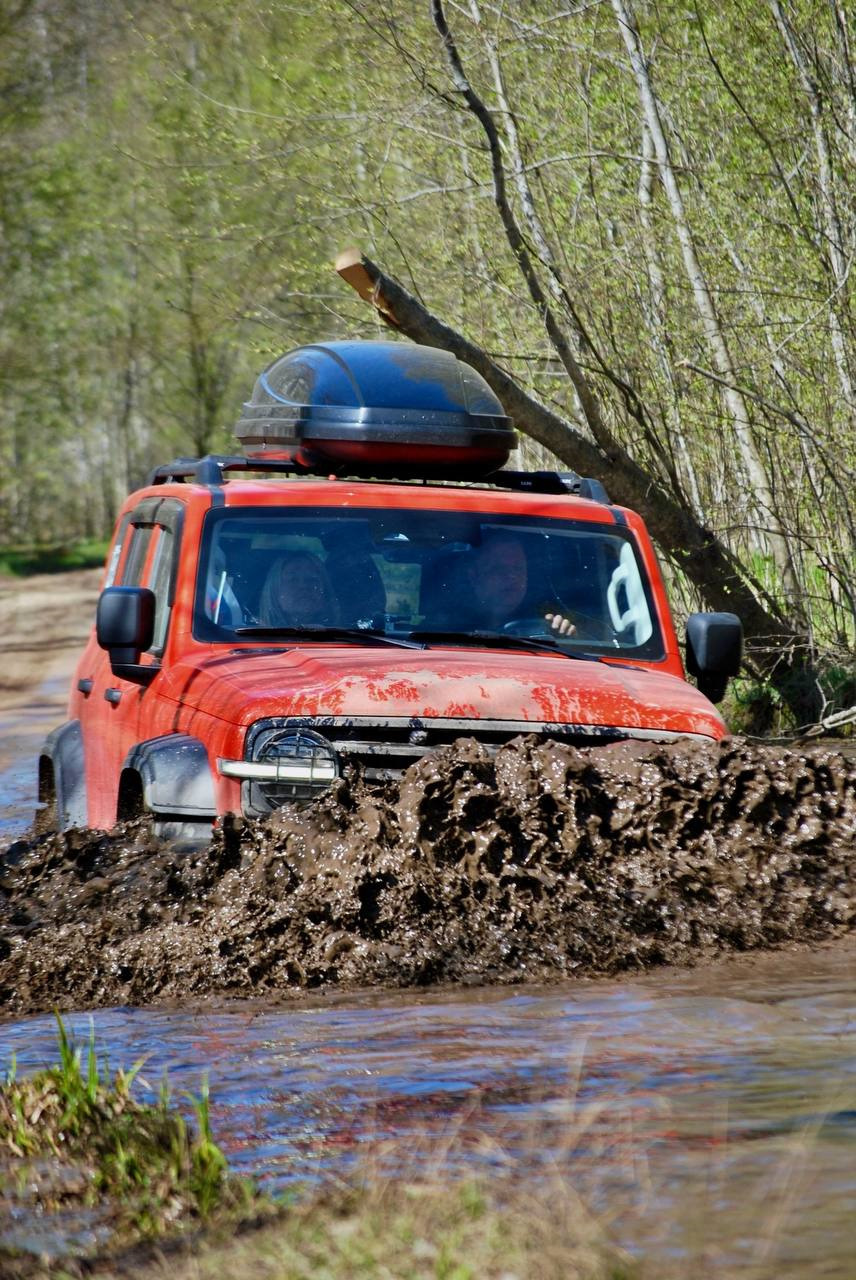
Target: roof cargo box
{"x":378,"y":409}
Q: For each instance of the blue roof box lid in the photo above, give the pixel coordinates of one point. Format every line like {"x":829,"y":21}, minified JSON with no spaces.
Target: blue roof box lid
{"x":377,"y":409}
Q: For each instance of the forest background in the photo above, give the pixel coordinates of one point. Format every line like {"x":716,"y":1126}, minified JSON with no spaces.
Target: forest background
{"x":637,"y":219}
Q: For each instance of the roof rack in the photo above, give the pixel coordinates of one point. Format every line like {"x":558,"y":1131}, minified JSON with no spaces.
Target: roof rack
{"x":210,"y":471}
{"x":550,"y":482}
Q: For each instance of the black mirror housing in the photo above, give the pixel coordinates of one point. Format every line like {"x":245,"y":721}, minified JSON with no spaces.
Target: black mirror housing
{"x":125,"y":627}
{"x":714,"y":651}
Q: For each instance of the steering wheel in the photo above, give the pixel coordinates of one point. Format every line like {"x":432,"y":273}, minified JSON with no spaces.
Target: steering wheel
{"x":587,"y":628}
{"x":531,"y":626}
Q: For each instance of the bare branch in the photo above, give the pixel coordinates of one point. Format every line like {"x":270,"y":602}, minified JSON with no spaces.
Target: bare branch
{"x":704,"y":558}
{"x":588,"y":401}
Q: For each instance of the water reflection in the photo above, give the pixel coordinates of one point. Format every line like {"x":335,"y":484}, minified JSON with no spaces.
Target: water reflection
{"x":715,"y":1123}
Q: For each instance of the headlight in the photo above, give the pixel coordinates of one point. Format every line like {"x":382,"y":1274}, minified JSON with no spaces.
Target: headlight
{"x":287,"y":765}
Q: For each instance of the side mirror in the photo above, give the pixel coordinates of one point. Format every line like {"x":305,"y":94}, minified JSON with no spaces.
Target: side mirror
{"x":125,"y":627}
{"x":714,"y":651}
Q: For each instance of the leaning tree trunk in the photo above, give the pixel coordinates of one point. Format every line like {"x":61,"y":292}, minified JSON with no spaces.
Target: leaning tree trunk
{"x":776,"y":649}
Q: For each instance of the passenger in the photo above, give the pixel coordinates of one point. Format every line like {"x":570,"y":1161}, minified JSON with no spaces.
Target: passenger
{"x":498,"y":580}
{"x":297,"y":593}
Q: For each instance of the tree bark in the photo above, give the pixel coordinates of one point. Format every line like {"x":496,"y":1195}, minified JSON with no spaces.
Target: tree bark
{"x":657,"y":322}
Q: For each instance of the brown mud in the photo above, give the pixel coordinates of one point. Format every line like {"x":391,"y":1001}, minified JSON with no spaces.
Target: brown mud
{"x":541,"y":862}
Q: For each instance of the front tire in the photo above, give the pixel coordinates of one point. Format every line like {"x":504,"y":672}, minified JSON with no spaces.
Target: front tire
{"x":46,"y":821}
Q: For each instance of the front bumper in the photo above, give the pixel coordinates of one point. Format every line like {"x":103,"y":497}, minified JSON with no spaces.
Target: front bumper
{"x":384,"y":747}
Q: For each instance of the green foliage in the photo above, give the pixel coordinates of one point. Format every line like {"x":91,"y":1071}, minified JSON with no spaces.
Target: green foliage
{"x":145,"y":1158}
{"x":21,"y":561}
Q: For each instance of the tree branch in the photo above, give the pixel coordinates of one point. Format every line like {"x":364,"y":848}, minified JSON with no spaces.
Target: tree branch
{"x":772,"y":643}
{"x":516,"y":240}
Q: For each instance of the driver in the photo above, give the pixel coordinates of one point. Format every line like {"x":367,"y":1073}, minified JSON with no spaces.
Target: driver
{"x":498,"y":579}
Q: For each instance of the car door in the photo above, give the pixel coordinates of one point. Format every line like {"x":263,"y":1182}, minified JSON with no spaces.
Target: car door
{"x":116,"y":707}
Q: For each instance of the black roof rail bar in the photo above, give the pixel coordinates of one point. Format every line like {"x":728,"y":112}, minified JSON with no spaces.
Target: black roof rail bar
{"x":551,"y":482}
{"x":209,"y":470}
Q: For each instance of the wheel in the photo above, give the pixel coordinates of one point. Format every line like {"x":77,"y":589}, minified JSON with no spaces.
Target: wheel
{"x":46,"y":821}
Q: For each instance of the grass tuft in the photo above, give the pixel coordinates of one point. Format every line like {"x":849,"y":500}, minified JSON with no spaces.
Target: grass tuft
{"x":425,"y":1230}
{"x":144,"y":1160}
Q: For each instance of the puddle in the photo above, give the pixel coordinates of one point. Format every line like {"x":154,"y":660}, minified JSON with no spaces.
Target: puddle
{"x":709,"y":1116}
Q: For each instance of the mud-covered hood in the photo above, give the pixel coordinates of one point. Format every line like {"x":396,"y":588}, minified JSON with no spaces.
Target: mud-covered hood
{"x":437,"y":683}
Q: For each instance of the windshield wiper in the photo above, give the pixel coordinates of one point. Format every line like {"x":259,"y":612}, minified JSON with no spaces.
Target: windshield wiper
{"x":499,"y":640}
{"x":360,"y":635}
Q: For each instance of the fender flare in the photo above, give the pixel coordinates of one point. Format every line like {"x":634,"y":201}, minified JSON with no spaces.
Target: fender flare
{"x":176,"y":776}
{"x":63,"y":747}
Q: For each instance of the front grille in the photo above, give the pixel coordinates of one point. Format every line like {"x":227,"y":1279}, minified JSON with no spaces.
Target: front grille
{"x":384,"y":748}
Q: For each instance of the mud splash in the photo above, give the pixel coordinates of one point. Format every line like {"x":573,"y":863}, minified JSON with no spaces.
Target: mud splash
{"x":539,"y":862}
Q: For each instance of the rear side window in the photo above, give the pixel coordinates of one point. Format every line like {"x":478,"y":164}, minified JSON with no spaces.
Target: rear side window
{"x":159,"y":579}
{"x":131,"y":573}
{"x":145,"y":556}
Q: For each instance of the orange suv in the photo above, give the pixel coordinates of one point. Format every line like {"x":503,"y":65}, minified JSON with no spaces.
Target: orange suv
{"x":366,"y":582}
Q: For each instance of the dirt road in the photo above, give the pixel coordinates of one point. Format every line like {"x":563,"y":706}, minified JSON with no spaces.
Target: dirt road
{"x":44,"y":621}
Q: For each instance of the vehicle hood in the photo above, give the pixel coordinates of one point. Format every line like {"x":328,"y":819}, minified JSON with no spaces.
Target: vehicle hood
{"x":437,"y":683}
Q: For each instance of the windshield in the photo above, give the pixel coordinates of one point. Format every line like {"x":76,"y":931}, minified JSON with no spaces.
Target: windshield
{"x":433,"y":575}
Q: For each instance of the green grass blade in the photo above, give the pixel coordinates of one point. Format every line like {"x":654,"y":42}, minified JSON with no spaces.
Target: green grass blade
{"x":92,"y":1078}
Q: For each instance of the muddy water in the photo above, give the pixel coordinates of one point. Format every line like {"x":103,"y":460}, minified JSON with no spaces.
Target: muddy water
{"x":541,"y":862}
{"x":710,"y":1116}
{"x":23,"y":728}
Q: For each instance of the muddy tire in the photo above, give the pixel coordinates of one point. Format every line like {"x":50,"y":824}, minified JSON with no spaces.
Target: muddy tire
{"x":46,"y":820}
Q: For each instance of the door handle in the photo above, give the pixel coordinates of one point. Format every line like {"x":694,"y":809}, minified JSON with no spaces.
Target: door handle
{"x":113,"y":695}
{"x":85,"y":686}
